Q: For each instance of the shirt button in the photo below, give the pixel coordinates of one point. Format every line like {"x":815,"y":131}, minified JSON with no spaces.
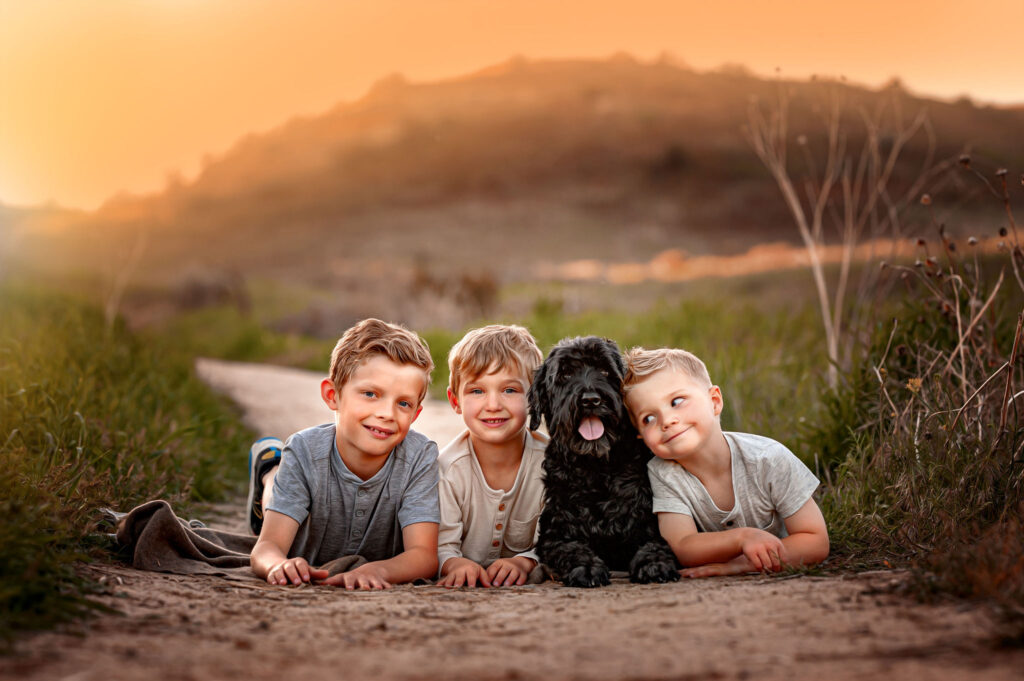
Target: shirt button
{"x":730,"y":523}
{"x":362,"y":492}
{"x":495,"y":543}
{"x":498,"y":526}
{"x":357,"y":533}
{"x":501,"y":507}
{"x":359,"y":512}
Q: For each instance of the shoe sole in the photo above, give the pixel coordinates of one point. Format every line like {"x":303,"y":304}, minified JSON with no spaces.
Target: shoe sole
{"x":261,"y":451}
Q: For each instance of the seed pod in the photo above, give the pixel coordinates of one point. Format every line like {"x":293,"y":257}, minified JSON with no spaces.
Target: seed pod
{"x":972,"y":241}
{"x":926,"y":200}
{"x":965,"y":160}
{"x":1001,"y":172}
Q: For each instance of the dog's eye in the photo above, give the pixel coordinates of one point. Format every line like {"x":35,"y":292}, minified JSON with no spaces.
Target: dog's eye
{"x":604,"y":372}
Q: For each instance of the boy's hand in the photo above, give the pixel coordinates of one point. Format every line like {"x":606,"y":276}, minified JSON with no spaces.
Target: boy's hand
{"x":365,"y":577}
{"x":294,"y":570}
{"x":737,"y":566}
{"x":510,"y":571}
{"x":763,"y":549}
{"x":464,"y":572}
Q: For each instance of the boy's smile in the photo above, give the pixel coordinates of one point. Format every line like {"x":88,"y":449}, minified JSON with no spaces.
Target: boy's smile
{"x":493,"y":406}
{"x":676,"y":415}
{"x":374,"y":410}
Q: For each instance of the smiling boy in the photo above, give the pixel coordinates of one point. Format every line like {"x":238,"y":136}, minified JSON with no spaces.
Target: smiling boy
{"x":363,"y":485}
{"x":727,"y":503}
{"x":491,"y":486}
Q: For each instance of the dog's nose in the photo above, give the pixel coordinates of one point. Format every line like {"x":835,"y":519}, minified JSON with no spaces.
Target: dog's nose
{"x":591,"y":399}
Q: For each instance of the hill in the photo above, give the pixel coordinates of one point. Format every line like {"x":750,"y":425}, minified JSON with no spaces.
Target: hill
{"x":492,"y":173}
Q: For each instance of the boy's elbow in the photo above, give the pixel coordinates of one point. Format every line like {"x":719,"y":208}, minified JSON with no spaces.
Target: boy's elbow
{"x":817,"y":550}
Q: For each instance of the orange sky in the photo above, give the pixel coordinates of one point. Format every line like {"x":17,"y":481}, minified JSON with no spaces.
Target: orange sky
{"x":98,"y":96}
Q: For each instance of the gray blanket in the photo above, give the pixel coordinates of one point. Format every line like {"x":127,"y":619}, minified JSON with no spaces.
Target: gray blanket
{"x":159,"y":540}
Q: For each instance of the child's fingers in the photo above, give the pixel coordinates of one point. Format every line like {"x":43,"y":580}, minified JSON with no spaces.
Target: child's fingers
{"x":290,"y":573}
{"x":522,"y":579}
{"x":502,"y":573}
{"x":318,"y":574}
{"x":484,"y":578}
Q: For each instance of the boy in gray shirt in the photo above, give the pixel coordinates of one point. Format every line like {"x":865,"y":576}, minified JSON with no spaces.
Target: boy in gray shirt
{"x":363,"y":485}
{"x":727,"y":503}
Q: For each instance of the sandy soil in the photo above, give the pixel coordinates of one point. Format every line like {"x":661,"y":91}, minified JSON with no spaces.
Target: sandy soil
{"x":173,"y":627}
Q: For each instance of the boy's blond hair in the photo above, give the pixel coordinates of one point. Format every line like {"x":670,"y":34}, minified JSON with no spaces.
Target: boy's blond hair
{"x":372,"y":337}
{"x":497,"y":345}
{"x":641,"y":363}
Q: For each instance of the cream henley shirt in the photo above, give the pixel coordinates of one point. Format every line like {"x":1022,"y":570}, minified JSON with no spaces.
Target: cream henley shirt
{"x":485,"y":524}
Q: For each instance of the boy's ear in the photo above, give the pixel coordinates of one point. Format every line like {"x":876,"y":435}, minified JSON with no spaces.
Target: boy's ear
{"x":716,"y":399}
{"x":538,"y":397}
{"x":454,"y":401}
{"x":329,"y":394}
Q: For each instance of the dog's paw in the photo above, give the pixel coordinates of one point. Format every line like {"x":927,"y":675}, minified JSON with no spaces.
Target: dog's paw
{"x":588,"y":576}
{"x":655,"y":572}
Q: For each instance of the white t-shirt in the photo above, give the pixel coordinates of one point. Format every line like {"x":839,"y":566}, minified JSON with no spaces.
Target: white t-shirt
{"x":769,"y":484}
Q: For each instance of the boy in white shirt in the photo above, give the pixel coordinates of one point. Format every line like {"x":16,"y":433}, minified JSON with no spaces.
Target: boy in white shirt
{"x":727,"y":503}
{"x":491,"y":488}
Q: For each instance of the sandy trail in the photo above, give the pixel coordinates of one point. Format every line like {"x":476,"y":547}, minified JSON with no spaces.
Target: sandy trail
{"x":174,"y":627}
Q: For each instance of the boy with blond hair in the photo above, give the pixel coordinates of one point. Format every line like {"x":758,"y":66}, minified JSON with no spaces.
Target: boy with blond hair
{"x":491,"y":489}
{"x":363,"y":485}
{"x":727,"y":503}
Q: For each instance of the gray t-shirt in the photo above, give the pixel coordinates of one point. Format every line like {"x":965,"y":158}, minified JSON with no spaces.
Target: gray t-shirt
{"x":340,"y":514}
{"x":769,"y":484}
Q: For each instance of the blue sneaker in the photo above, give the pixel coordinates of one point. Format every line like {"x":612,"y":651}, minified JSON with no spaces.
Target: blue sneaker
{"x":264,"y":454}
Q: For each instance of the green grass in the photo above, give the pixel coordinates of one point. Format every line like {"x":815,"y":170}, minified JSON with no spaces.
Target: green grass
{"x":92,"y":417}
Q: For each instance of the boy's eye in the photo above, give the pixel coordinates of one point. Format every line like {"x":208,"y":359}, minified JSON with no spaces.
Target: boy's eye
{"x":511,"y":390}
{"x":369,"y":393}
{"x":647,"y":420}
{"x":676,"y":401}
{"x":476,"y":391}
{"x":404,"y":404}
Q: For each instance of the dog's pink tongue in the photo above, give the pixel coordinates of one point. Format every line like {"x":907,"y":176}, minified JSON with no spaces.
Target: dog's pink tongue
{"x":591,"y":428}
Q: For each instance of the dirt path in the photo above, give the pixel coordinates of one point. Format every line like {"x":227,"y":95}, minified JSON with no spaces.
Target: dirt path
{"x":172,"y":627}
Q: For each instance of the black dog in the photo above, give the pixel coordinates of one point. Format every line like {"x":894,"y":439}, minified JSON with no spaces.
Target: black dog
{"x":597,"y":515}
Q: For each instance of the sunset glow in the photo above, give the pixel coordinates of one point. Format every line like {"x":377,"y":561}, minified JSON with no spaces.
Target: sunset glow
{"x":120,"y":95}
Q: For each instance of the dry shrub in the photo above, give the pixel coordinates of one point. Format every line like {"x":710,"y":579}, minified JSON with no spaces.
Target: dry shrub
{"x":934,"y":477}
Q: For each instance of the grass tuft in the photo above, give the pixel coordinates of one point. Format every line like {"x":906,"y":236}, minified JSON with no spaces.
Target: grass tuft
{"x":91,"y":416}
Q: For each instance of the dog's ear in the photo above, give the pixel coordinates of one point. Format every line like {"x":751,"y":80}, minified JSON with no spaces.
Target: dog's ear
{"x":539,"y":402}
{"x":615,"y":357}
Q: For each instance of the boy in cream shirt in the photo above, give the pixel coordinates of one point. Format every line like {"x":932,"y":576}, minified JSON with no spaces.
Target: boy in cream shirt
{"x":491,"y":488}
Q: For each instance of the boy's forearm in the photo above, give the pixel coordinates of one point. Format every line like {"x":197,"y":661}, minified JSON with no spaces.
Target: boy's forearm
{"x":265,"y":555}
{"x":708,"y":547}
{"x":411,"y":564}
{"x":805,"y":548}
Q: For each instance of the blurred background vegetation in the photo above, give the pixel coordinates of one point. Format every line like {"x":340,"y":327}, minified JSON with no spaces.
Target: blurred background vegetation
{"x":571,"y":198}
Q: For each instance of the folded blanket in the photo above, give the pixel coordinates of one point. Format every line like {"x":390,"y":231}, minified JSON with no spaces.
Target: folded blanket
{"x":160,"y":541}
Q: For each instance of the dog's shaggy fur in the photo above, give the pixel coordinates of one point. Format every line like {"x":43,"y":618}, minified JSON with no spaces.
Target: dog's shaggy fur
{"x":597,"y":515}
